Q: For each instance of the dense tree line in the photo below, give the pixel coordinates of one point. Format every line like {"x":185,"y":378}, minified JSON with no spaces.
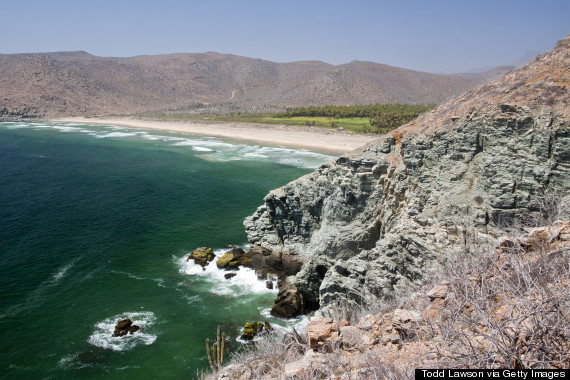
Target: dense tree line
{"x":340,"y":112}
{"x":382,"y":117}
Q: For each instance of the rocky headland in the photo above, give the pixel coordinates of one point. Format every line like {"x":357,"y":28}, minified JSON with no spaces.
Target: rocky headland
{"x":426,"y":231}
{"x":380,"y":219}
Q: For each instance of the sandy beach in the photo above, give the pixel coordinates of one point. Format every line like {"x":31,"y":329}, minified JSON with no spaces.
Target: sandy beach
{"x":281,"y":135}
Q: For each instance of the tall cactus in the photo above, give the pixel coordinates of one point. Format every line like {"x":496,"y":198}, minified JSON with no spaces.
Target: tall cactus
{"x":217,"y":359}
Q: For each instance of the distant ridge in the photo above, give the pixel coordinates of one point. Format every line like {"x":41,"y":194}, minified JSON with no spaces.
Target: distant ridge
{"x":78,"y":83}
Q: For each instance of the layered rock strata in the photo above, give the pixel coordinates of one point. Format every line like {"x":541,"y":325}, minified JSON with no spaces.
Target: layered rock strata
{"x":380,"y":218}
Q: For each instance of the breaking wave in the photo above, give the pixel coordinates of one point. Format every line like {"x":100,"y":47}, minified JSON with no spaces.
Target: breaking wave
{"x":244,"y":282}
{"x":102,"y":336}
{"x":212,"y":149}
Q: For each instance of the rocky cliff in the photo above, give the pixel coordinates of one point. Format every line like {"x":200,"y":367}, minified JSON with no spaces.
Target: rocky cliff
{"x":487,"y":313}
{"x":380,"y":218}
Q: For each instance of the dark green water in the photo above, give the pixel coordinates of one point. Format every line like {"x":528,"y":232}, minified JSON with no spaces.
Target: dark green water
{"x":95,"y":225}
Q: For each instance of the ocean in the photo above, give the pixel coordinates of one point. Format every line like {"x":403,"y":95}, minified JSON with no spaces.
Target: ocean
{"x":96,"y":223}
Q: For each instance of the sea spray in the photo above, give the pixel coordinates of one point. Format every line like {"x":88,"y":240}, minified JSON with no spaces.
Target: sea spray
{"x":244,"y":282}
{"x":218,"y":149}
{"x":102,"y":335}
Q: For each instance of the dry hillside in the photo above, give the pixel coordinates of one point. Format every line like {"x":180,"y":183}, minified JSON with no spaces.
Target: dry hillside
{"x":77,"y":83}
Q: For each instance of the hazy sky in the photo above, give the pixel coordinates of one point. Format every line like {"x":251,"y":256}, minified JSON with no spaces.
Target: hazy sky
{"x":427,"y":35}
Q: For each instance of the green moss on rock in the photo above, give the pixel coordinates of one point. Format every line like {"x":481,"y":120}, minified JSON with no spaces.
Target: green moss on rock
{"x":202,"y":255}
{"x":231,"y":259}
{"x":251,"y":329}
{"x":224,"y":261}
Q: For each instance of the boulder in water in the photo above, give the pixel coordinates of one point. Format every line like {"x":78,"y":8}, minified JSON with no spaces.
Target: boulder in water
{"x":251,"y":329}
{"x":231,"y":259}
{"x":124,"y":327}
{"x":202,"y":256}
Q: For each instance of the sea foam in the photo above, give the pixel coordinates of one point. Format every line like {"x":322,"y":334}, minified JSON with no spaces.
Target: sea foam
{"x":66,"y":128}
{"x":210,"y":148}
{"x":63,"y":271}
{"x":102,"y":336}
{"x":244,"y":282}
{"x":117,"y":134}
{"x":202,"y":149}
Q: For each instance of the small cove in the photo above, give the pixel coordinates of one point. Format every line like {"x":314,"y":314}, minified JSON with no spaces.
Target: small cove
{"x":97,"y":222}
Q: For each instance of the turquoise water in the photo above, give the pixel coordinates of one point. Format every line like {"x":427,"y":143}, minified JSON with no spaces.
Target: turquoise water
{"x":96,"y":224}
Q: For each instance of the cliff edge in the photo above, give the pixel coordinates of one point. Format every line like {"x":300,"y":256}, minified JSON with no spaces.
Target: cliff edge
{"x":381,"y":218}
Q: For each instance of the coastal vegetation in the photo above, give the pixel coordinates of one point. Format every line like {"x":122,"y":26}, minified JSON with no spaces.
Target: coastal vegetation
{"x":372,"y":118}
{"x":378,"y":118}
{"x":217,"y":359}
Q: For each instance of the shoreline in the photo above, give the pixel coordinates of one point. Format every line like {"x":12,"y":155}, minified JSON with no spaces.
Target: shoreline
{"x":314,"y":138}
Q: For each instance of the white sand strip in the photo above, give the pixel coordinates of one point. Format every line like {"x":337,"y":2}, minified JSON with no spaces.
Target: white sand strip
{"x":281,"y":135}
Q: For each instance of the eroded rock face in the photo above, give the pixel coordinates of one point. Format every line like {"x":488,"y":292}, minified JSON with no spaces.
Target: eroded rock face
{"x":274,"y":261}
{"x":322,"y":331}
{"x":381,"y":217}
{"x":289,"y":302}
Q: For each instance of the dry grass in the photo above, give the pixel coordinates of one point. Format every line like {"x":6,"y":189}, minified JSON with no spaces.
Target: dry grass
{"x":507,"y":308}
{"x":510,"y":311}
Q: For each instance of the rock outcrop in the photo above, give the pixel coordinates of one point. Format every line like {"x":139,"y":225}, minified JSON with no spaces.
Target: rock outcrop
{"x":508,"y":309}
{"x":125,"y":327}
{"x":202,"y":256}
{"x":323,"y":331}
{"x":233,"y":259}
{"x":380,"y":218}
{"x":252,"y":329}
{"x":289,"y":302}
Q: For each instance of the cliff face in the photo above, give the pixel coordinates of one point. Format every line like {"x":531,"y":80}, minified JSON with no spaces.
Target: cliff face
{"x":381,"y":217}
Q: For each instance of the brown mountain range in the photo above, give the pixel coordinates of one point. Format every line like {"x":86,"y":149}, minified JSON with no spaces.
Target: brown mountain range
{"x":78,"y":83}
